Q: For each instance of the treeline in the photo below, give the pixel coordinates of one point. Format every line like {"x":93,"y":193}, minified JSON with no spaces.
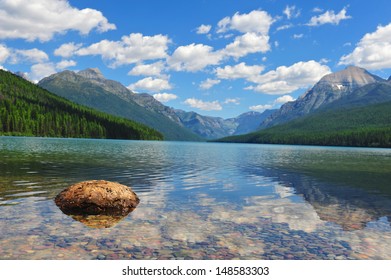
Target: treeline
{"x":28,"y":110}
{"x":368,"y":126}
{"x":371,"y":137}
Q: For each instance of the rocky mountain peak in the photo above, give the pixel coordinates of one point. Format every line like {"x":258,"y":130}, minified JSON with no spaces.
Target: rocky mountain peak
{"x":91,"y":73}
{"x":336,"y":85}
{"x":351,"y":77}
{"x":249,"y":114}
{"x":330,"y":88}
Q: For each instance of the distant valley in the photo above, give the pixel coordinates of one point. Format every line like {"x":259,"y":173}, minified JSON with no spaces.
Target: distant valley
{"x":214,"y":127}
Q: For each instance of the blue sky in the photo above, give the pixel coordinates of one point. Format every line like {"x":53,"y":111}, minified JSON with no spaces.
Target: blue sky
{"x":216,"y":57}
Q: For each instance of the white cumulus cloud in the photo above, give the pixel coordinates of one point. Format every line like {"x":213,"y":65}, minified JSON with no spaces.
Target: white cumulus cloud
{"x":254,"y":22}
{"x":284,"y":27}
{"x":286,"y":79}
{"x":260,"y":108}
{"x":204,"y":105}
{"x":235,"y":101}
{"x":42,"y":70}
{"x":280,"y":100}
{"x":193,"y":57}
{"x":32,"y":55}
{"x":291,"y":12}
{"x":239,"y":71}
{"x":63,"y":64}
{"x":317,"y":10}
{"x":153,"y":69}
{"x":273,"y":87}
{"x":373,"y":52}
{"x":284,"y":99}
{"x":165,"y":97}
{"x":150,"y":84}
{"x":39,"y":71}
{"x":209,"y":83}
{"x":246,"y":44}
{"x":329,"y":17}
{"x":67,"y":50}
{"x":4,"y":53}
{"x":42,"y":19}
{"x":255,"y":27}
{"x":203,"y":29}
{"x":134,"y":48}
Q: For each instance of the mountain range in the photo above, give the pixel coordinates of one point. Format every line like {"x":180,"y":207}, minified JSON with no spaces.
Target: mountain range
{"x":214,"y":127}
{"x":351,"y":107}
{"x":28,"y":110}
{"x":330,"y":89}
{"x":90,"y":88}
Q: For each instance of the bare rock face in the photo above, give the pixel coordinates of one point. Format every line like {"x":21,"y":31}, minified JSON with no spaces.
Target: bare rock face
{"x":97,"y":198}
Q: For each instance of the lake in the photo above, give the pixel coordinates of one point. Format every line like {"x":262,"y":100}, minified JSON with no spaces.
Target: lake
{"x":198,"y":200}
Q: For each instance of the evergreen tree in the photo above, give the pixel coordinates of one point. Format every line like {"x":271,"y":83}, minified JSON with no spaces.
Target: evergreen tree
{"x":26,"y":109}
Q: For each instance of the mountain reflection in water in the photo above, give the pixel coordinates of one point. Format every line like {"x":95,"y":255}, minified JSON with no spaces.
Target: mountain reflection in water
{"x":343,"y":203}
{"x":198,"y":200}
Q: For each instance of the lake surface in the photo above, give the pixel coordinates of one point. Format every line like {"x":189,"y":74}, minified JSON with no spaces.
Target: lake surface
{"x":198,"y":200}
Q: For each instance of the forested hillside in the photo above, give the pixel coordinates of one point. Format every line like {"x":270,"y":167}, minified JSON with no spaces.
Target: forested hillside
{"x":26,"y":109}
{"x":90,"y":88}
{"x":367,"y":126}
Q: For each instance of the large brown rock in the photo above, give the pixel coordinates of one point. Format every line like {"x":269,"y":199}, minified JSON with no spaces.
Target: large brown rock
{"x":97,"y":198}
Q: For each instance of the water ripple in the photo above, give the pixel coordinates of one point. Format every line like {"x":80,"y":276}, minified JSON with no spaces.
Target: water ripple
{"x":205,"y":200}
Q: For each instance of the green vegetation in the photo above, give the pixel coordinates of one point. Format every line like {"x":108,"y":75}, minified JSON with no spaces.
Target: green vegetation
{"x":368,"y":126}
{"x":28,"y":110}
{"x":107,"y":98}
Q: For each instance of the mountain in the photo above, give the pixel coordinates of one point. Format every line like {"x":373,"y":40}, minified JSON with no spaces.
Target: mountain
{"x":373,"y":93}
{"x":96,"y":75}
{"x":249,"y":122}
{"x":214,"y":127}
{"x":28,"y":110}
{"x":329,"y":89}
{"x":90,"y":88}
{"x":206,"y":127}
{"x":363,"y":126}
{"x":355,"y":113}
{"x":150,"y":103}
